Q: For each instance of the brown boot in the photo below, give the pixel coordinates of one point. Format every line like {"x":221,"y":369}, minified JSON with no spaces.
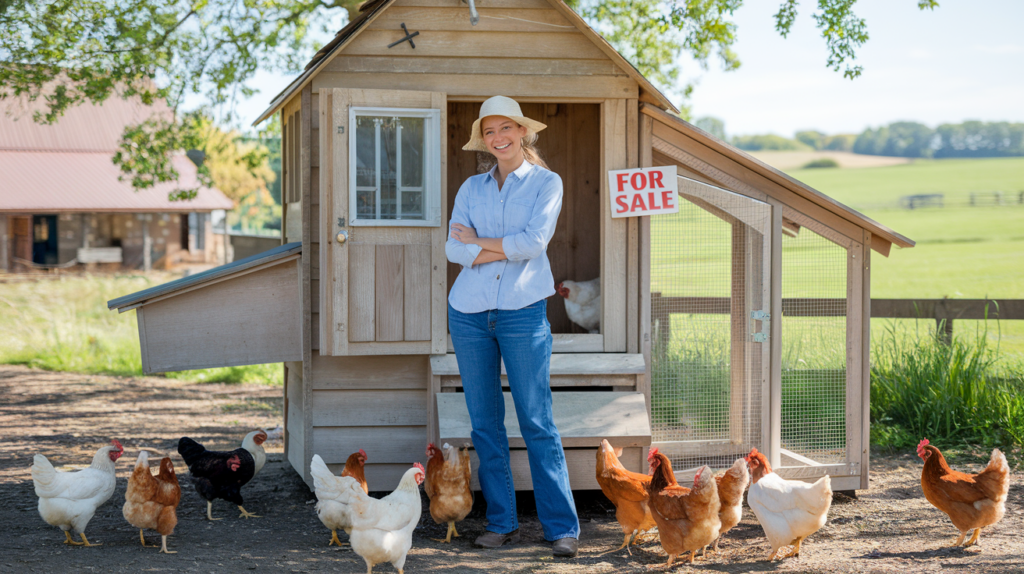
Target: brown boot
{"x":565,"y":547}
{"x":496,"y":540}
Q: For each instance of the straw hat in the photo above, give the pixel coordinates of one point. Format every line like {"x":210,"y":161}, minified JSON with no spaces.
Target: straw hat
{"x":500,"y":106}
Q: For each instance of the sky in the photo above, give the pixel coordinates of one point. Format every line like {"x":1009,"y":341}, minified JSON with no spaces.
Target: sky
{"x":964,"y":60}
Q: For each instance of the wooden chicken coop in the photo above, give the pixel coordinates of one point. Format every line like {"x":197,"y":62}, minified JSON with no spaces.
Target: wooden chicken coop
{"x":741,"y":321}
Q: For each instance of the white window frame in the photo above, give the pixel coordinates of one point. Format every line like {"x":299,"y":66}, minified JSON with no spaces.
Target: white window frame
{"x":431,"y":168}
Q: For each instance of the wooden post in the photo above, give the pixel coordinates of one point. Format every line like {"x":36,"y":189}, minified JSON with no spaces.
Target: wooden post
{"x":739,"y":331}
{"x":304,"y":169}
{"x":772,"y":402}
{"x":147,"y":243}
{"x":4,"y":264}
{"x":865,"y":433}
{"x":944,"y":330}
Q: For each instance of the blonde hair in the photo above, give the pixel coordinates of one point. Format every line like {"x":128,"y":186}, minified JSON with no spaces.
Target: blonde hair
{"x":530,"y":152}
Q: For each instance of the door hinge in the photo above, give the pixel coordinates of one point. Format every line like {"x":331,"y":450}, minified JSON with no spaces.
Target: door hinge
{"x":765,"y":318}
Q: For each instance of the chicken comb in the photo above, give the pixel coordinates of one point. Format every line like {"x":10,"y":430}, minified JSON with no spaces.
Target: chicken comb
{"x":654,"y":452}
{"x":921,"y":445}
{"x":116,"y":443}
{"x":363,"y":454}
{"x":419,"y":467}
{"x":752,"y":455}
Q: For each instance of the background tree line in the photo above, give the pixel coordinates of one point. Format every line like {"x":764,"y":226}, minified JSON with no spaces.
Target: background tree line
{"x":898,"y":139}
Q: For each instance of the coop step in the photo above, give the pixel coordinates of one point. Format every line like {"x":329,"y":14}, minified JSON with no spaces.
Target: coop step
{"x":567,"y":370}
{"x":583,"y":419}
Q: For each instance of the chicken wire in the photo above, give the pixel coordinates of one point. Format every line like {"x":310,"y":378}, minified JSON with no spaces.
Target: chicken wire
{"x":707,"y":371}
{"x":813,"y":350}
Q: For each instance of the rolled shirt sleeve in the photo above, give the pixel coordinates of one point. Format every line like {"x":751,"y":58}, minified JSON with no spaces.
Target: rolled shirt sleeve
{"x":533,"y":241}
{"x":455,"y":250}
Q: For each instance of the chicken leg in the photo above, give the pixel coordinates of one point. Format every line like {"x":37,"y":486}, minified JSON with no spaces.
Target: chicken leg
{"x":451,"y":531}
{"x":163,"y":547}
{"x":693,"y":554}
{"x":796,"y":549}
{"x":142,"y":538}
{"x":960,"y":540}
{"x":671,"y":559}
{"x":974,"y":539}
{"x":334,"y":539}
{"x":625,"y":543}
{"x":85,"y":541}
{"x":70,"y":540}
{"x":247,"y":514}
{"x":209,"y":509}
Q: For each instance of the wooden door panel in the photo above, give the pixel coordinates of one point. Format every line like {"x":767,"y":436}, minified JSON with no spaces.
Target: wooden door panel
{"x":417,"y":292}
{"x":390,"y":293}
{"x":362,"y":286}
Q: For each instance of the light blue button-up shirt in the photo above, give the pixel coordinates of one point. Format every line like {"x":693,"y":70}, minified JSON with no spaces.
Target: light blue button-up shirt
{"x":523,"y":213}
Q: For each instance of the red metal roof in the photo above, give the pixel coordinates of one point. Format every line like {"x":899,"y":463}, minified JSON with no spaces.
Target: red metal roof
{"x":39,"y":181}
{"x":67,"y":166}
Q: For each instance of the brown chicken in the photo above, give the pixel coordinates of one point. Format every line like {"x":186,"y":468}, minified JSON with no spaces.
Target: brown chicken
{"x":627,"y":491}
{"x":152,"y":501}
{"x":447,"y":485}
{"x":687,"y":518}
{"x":731,"y":485}
{"x":354,"y":467}
{"x":972,"y":501}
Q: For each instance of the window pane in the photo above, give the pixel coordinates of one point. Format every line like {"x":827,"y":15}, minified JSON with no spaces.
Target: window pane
{"x":366,"y":162}
{"x":412,"y":152}
{"x":390,"y":172}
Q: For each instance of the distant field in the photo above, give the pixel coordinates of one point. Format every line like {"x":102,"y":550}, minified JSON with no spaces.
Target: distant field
{"x":790,"y":160}
{"x":879,"y":187}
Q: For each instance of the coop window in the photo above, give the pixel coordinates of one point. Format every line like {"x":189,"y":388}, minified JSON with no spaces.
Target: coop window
{"x":395,"y":167}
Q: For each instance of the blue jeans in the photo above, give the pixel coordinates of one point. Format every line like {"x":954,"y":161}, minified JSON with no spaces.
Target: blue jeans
{"x":523,"y":338}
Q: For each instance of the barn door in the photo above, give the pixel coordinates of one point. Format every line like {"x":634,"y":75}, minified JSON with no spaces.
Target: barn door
{"x":710,"y":281}
{"x":382,"y":180}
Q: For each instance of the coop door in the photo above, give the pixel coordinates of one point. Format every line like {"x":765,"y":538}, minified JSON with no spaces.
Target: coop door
{"x":382,"y":172}
{"x":710,"y":279}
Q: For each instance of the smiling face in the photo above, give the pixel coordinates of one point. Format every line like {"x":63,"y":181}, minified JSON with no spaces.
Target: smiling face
{"x":502,"y":136}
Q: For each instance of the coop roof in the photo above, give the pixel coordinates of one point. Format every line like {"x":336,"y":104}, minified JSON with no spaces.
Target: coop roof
{"x":234,"y":268}
{"x":373,"y":8}
{"x":882,"y":236}
{"x":67,"y":166}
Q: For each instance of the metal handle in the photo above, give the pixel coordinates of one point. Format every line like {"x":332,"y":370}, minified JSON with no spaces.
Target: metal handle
{"x":342,"y":237}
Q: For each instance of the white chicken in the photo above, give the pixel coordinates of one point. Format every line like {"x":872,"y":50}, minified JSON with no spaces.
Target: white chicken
{"x":583,"y":302}
{"x":68,"y":500}
{"x":379,"y":530}
{"x":788,"y":510}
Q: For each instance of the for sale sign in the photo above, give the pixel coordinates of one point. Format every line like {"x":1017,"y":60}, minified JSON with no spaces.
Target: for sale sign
{"x":644,"y":191}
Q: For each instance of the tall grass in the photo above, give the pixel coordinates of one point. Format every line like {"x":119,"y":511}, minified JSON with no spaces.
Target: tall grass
{"x":952,"y":394}
{"x":64,"y":325}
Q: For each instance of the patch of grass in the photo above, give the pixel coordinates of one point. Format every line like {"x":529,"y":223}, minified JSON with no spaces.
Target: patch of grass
{"x":953,"y":395}
{"x":64,"y":325}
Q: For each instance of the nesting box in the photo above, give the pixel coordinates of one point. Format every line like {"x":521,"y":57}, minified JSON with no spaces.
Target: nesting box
{"x":741,"y":321}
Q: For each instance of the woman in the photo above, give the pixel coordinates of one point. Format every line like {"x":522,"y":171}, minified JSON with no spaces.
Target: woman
{"x":501,"y":224}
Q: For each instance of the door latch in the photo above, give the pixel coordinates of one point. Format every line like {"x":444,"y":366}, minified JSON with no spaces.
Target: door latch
{"x":765,"y":318}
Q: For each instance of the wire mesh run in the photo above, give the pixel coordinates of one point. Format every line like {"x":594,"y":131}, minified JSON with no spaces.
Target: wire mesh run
{"x":813,"y":350}
{"x":708,"y":273}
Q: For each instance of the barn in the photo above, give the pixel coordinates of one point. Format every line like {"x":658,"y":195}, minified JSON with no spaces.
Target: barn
{"x":63,"y":204}
{"x":739,"y":322}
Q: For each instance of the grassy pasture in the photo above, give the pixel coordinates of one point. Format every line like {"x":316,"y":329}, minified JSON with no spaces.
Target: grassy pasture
{"x":63,"y":325}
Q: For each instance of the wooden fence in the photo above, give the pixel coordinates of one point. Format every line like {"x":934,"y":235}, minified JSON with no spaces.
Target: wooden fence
{"x":943,"y":311}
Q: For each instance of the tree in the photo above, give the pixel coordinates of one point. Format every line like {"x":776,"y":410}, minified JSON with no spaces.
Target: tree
{"x":168,"y":49}
{"x":812,"y":138}
{"x":768,"y":142}
{"x":713,"y":126}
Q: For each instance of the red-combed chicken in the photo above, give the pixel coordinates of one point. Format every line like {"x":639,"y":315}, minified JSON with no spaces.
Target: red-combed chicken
{"x":223,"y":474}
{"x":332,"y":513}
{"x":789,"y":510}
{"x":382,"y":529}
{"x":447,"y":485}
{"x":68,"y":500}
{"x":972,"y":501}
{"x":731,"y":485}
{"x":628,"y":492}
{"x":582,"y":302}
{"x":687,"y":518}
{"x":152,"y":501}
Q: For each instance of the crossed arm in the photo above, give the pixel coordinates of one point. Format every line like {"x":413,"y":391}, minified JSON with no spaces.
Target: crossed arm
{"x":491,"y":249}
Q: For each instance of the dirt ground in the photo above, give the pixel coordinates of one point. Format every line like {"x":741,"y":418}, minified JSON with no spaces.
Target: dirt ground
{"x":890,"y":528}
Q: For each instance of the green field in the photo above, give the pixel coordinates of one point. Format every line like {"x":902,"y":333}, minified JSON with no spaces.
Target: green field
{"x":867,"y":188}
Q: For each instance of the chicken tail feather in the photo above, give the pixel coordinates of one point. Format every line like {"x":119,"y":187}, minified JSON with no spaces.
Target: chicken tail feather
{"x":43,"y":475}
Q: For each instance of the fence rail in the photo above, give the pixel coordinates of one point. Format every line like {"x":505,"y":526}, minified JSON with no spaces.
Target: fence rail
{"x":943,"y":311}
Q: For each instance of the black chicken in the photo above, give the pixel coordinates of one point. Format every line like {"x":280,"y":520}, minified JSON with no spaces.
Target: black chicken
{"x":223,"y":474}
